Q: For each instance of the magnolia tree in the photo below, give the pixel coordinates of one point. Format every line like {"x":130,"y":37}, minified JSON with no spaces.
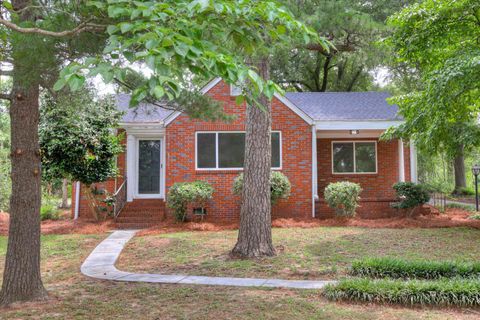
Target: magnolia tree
{"x":78,"y":140}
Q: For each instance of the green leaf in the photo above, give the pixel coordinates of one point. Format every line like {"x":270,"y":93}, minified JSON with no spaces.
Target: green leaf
{"x":76,"y":82}
{"x":125,"y":27}
{"x":59,"y":84}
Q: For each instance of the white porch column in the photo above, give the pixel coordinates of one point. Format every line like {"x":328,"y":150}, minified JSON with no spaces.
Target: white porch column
{"x":413,"y":162}
{"x":131,"y":161}
{"x":314,"y":169}
{"x":401,"y":162}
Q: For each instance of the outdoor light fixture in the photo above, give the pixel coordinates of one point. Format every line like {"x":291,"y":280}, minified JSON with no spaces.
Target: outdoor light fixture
{"x":476,"y":172}
{"x":354,"y":132}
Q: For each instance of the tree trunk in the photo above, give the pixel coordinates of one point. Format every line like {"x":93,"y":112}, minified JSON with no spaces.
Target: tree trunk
{"x":64,"y":194}
{"x":21,"y":278}
{"x":255,"y":233}
{"x":459,"y":170}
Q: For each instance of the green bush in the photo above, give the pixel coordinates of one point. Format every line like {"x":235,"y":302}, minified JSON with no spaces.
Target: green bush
{"x":475,"y":216}
{"x":182,"y":194}
{"x":446,"y":292}
{"x":411,"y":195}
{"x":462,"y":206}
{"x":343,"y":197}
{"x":279,"y":185}
{"x":49,"y":211}
{"x":417,"y":269}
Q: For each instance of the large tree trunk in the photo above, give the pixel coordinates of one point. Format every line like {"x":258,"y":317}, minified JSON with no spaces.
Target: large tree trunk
{"x":459,"y":170}
{"x":64,"y":194}
{"x":21,"y":278}
{"x":255,"y":233}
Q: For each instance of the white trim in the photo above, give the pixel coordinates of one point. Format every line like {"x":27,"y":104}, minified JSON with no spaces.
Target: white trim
{"x":340,"y":134}
{"x":163,"y":167}
{"x":217,"y":168}
{"x":314,"y":169}
{"x":356,"y":125}
{"x":169,"y":119}
{"x":294,"y":108}
{"x":144,"y":128}
{"x":131,"y":145}
{"x":77,"y":200}
{"x":138,"y":195}
{"x":354,"y":157}
{"x":413,"y":162}
{"x":401,"y":161}
{"x":235,"y":91}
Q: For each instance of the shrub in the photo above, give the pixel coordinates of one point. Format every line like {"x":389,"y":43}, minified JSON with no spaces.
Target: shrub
{"x":475,"y":216}
{"x":279,"y":184}
{"x":462,"y":206}
{"x":411,"y":195}
{"x":419,"y":269}
{"x":182,"y":194}
{"x":49,"y":211}
{"x":343,"y":197}
{"x":449,"y":292}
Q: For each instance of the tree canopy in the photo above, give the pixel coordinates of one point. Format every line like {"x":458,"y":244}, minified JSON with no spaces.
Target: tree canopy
{"x":439,"y":39}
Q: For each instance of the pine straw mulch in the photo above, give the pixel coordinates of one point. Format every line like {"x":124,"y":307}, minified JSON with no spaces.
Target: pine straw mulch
{"x":63,"y":226}
{"x":451,"y":218}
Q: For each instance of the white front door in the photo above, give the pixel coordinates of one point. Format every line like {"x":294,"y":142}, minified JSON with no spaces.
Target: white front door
{"x":149,"y":168}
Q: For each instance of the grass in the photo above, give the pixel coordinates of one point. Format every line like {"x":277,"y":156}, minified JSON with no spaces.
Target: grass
{"x":325,"y":253}
{"x":77,"y":297}
{"x":446,"y":292}
{"x":413,"y":269}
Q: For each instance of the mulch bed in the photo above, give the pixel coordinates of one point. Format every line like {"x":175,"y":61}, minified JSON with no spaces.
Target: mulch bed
{"x":452,"y":218}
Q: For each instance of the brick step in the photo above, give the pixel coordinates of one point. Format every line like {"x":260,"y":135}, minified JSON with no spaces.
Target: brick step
{"x":143,"y":209}
{"x":140,"y":219}
{"x":135,"y":225}
{"x":127,"y":213}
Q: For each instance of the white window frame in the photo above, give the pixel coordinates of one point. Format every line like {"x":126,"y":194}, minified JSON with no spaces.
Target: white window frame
{"x":158,"y":195}
{"x":354,"y":157}
{"x":217,"y":168}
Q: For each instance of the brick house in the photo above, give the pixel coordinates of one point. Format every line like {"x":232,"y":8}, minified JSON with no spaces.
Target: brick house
{"x":317,"y":138}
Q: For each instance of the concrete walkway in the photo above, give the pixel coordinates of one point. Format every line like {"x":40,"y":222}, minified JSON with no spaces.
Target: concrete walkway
{"x":100,"y":264}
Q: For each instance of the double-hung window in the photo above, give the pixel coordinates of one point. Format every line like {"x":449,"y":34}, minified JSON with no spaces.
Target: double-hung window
{"x":354,"y":157}
{"x":226,"y":150}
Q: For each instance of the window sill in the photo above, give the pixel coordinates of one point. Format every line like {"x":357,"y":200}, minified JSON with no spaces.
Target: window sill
{"x":354,"y":174}
{"x":218,"y":171}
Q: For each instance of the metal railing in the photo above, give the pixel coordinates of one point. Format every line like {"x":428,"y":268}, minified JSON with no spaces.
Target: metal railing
{"x":120,"y":199}
{"x":438,"y":200}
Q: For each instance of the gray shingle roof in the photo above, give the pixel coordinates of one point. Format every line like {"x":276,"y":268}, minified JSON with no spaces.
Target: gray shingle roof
{"x":144,"y":112}
{"x":345,"y":105}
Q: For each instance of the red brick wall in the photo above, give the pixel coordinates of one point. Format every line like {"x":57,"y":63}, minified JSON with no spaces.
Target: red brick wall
{"x":296,"y":158}
{"x":377,"y":188}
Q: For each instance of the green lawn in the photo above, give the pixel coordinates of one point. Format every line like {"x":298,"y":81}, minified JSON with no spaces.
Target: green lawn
{"x":77,"y":297}
{"x":302,"y":253}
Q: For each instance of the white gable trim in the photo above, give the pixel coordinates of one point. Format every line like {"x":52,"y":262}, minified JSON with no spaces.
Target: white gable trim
{"x":169,"y":119}
{"x":295,"y":109}
{"x":356,"y":125}
{"x":281,"y":98}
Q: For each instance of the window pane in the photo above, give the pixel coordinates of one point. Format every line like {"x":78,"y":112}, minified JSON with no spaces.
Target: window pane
{"x":231,"y":150}
{"x":365,"y":156}
{"x":275,"y":150}
{"x":343,"y":157}
{"x":149,"y":167}
{"x":206,"y":150}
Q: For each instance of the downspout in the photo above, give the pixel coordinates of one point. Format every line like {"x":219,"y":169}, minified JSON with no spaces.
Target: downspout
{"x":314,"y":169}
{"x":401,"y":162}
{"x":413,"y":162}
{"x":77,"y":200}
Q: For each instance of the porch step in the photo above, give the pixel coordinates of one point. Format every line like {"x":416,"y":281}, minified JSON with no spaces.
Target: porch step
{"x":141,"y":214}
{"x":135,"y":225}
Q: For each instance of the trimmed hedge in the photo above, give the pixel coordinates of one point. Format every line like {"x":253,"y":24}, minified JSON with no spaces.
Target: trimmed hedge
{"x":447,"y":292}
{"x":415,"y":269}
